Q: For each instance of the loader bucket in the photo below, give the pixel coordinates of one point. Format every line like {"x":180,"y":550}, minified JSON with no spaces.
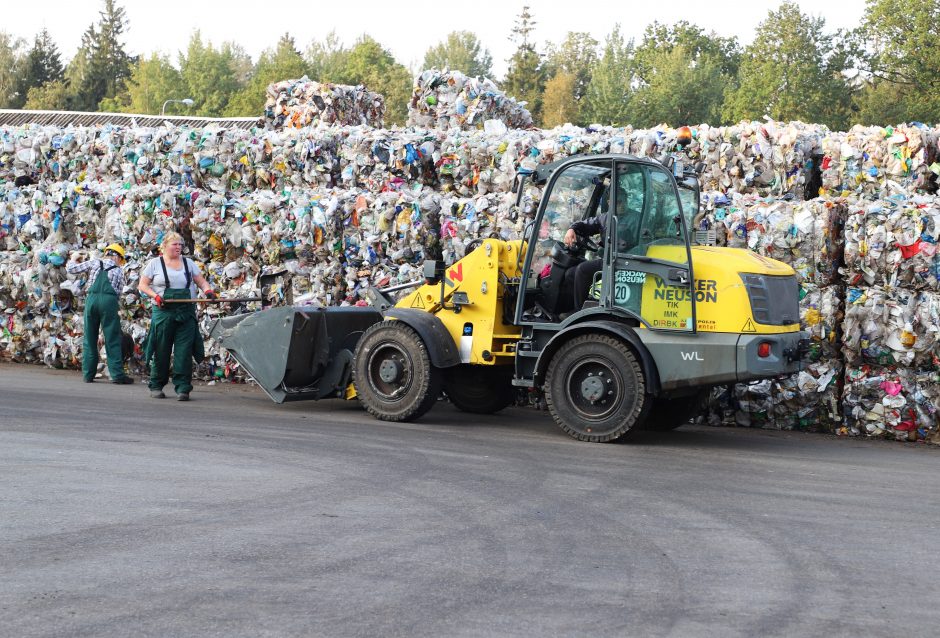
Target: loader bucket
{"x":296,"y":353}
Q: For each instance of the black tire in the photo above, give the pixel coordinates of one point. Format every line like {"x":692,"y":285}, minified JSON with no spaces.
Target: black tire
{"x":392,"y":373}
{"x":595,"y":388}
{"x":479,"y":389}
{"x":669,"y":413}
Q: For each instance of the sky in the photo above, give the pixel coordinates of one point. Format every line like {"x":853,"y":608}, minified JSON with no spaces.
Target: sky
{"x":406,"y":28}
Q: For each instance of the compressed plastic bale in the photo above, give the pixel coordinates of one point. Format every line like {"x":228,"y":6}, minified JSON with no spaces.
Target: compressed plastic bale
{"x":893,"y":242}
{"x":810,"y":399}
{"x":893,"y":402}
{"x":340,"y":207}
{"x":445,"y":99}
{"x":874,"y":159}
{"x":891,"y":326}
{"x":822,"y":316}
{"x":302,"y":102}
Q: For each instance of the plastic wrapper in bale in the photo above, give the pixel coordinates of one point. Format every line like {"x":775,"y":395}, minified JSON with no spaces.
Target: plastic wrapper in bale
{"x":894,"y":402}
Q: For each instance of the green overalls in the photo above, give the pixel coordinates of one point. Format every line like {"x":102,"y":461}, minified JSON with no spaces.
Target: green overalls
{"x":174,"y":327}
{"x":101,"y":311}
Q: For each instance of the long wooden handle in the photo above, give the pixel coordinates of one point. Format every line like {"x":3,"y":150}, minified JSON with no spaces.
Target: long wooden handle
{"x":216,"y":300}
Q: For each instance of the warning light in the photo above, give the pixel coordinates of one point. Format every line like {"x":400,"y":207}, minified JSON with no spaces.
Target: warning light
{"x":763,"y":350}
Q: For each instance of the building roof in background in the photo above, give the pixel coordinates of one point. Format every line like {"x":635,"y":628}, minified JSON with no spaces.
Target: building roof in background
{"x":15,"y":117}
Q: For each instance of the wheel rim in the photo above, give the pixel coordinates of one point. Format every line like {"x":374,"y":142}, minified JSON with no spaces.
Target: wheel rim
{"x":595,"y":389}
{"x":390,"y":371}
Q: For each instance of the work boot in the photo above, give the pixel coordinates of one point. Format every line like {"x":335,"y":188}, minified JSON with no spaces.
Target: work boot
{"x":182,"y":396}
{"x":157,"y":394}
{"x":123,"y":381}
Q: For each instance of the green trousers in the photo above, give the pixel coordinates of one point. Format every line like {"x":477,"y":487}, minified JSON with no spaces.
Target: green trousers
{"x":174,"y":334}
{"x":101,"y":313}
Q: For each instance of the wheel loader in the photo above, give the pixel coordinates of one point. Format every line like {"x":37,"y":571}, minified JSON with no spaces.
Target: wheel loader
{"x":665,"y":320}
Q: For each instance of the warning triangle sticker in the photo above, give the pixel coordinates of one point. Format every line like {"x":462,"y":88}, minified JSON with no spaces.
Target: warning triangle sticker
{"x":418,"y":302}
{"x":748,"y":326}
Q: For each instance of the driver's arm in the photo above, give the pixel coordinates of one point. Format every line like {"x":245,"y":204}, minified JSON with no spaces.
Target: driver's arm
{"x":584,"y":228}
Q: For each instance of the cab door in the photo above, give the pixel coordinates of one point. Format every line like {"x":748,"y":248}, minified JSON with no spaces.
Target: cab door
{"x":649,"y":271}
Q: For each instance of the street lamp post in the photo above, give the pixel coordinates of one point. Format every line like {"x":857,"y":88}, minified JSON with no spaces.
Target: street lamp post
{"x":187,"y":101}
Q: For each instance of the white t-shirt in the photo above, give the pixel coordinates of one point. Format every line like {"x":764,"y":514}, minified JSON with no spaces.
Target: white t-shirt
{"x":177,"y":277}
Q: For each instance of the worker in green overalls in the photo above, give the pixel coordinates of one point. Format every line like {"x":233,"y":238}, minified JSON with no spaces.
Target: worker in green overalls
{"x":174,"y":330}
{"x":105,"y":283}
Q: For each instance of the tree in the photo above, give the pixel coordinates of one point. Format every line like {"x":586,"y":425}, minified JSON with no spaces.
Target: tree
{"x":609,"y":93}
{"x":10,"y":61}
{"x":525,"y":78}
{"x":903,"y":57}
{"x":77,"y":70}
{"x":42,"y":64}
{"x":679,"y":91}
{"x":882,"y":102}
{"x":282,"y":63}
{"x":559,"y":104}
{"x":370,"y":64}
{"x":51,"y":96}
{"x":682,"y":74}
{"x":460,"y":51}
{"x":576,"y":55}
{"x":326,"y":60}
{"x":659,"y":38}
{"x":107,"y":64}
{"x":792,"y":71}
{"x":153,"y":80}
{"x":209,"y":75}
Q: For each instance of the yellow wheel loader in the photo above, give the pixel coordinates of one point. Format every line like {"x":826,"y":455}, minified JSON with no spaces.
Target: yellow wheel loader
{"x":663,"y":321}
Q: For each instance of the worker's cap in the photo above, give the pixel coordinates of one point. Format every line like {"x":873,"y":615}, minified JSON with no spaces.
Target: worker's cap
{"x":117,"y":249}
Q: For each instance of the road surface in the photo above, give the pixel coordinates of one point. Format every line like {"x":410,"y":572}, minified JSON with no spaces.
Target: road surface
{"x":122,"y":515}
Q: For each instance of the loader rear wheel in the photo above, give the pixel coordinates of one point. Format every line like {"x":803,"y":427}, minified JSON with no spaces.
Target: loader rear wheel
{"x":479,"y":389}
{"x":595,"y":388}
{"x":393,"y":374}
{"x":668,"y":413}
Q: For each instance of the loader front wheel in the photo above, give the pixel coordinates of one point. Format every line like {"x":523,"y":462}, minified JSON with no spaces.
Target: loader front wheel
{"x":479,"y":389}
{"x":393,"y":374}
{"x":595,"y":388}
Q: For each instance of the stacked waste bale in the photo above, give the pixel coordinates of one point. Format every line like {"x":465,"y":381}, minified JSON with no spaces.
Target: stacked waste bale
{"x":876,"y":161}
{"x":808,"y":237}
{"x":335,"y":209}
{"x":303,"y":102}
{"x":445,"y":99}
{"x":892,"y":317}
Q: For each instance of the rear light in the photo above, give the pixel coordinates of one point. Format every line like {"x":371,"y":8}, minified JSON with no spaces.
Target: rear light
{"x":763,"y":349}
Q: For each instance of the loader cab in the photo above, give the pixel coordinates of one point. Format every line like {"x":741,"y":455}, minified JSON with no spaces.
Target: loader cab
{"x":645,"y":272}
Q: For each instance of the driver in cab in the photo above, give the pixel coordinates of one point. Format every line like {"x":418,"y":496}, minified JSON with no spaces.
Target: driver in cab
{"x":584,"y":272}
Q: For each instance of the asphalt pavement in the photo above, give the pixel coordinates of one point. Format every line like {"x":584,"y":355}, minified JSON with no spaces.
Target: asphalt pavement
{"x":122,"y":515}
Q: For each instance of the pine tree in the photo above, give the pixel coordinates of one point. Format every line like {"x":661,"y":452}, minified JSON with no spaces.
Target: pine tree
{"x":42,"y":65}
{"x":106,"y":63}
{"x":525,"y":78}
